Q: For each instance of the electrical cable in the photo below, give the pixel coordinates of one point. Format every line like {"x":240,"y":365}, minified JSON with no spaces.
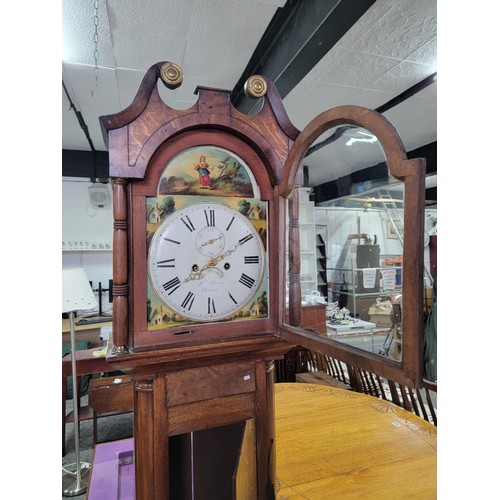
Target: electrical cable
{"x":85,"y":129}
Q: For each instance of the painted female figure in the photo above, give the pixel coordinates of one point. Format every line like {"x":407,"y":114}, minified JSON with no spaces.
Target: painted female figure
{"x":203,"y":169}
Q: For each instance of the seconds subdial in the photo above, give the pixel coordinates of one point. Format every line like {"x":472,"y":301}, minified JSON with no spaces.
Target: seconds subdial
{"x":210,"y":241}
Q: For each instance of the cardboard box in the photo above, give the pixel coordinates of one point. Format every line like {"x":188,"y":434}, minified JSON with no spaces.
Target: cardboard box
{"x":381,"y":316}
{"x":382,"y":320}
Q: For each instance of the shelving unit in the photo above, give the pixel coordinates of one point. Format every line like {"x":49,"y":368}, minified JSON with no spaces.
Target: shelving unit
{"x":354,"y":286}
{"x":308,"y":248}
{"x":321,"y":278}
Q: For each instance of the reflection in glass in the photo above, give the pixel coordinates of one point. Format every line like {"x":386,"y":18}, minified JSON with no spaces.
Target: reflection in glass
{"x":365,"y":266}
{"x":363,"y":228}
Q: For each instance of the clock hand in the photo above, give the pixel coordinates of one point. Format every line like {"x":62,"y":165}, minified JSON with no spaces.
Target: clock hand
{"x":197,"y":274}
{"x":221,"y":256}
{"x":209,"y":242}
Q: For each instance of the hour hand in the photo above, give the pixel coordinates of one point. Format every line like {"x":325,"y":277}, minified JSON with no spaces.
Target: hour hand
{"x":196,"y":273}
{"x":199,"y":273}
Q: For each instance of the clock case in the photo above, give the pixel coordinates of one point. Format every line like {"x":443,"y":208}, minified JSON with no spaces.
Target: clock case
{"x":221,"y":373}
{"x":146,"y":135}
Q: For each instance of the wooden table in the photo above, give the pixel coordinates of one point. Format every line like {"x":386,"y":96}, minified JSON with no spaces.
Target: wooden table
{"x":334,"y":443}
{"x":89,"y":331}
{"x":86,"y":364}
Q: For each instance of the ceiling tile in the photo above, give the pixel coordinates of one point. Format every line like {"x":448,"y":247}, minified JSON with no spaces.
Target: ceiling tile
{"x":401,"y":77}
{"x":144,"y":33}
{"x":231,"y":43}
{"x":400,"y":32}
{"x":369,"y":19}
{"x":359,"y":70}
{"x":303,"y":105}
{"x":425,"y":54}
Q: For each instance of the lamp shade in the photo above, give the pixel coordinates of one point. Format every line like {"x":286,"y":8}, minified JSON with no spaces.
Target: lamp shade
{"x":76,"y":291}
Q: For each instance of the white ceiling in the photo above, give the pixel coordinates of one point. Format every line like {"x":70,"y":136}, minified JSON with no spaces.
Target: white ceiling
{"x":392,"y":47}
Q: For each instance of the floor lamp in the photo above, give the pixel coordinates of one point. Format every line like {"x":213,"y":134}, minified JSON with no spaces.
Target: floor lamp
{"x":77,"y":294}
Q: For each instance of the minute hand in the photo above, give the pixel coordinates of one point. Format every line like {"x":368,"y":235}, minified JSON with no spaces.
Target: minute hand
{"x":196,"y":275}
{"x":223,"y":255}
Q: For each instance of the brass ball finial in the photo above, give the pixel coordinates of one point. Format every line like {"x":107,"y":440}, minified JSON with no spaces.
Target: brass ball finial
{"x":255,"y":87}
{"x":171,"y":75}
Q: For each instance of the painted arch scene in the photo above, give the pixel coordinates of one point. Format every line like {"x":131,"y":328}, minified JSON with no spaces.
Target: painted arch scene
{"x":207,"y":171}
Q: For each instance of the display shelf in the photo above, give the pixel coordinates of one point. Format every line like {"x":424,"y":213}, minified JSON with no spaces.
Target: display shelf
{"x":88,"y":251}
{"x":86,"y":246}
{"x":308,"y":247}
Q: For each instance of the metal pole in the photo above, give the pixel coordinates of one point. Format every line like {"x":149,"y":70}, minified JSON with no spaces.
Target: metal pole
{"x":79,"y":486}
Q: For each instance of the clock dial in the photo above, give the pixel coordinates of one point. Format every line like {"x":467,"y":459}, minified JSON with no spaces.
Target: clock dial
{"x":206,"y":261}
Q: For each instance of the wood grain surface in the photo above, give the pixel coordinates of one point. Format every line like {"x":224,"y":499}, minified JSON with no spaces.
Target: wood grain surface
{"x":335,"y":443}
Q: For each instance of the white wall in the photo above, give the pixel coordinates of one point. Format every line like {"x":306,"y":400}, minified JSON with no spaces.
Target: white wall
{"x":90,"y":231}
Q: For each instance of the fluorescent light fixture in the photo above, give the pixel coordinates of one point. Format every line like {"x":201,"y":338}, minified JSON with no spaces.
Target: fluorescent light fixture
{"x":369,"y":138}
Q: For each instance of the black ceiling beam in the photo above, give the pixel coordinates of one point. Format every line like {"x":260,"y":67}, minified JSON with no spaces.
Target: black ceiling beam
{"x":429,"y":152}
{"x":407,"y":93}
{"x":297,"y":38}
{"x":381,"y":109}
{"x":91,"y":164}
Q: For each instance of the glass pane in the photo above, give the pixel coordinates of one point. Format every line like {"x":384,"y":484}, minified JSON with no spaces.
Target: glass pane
{"x":365,"y":268}
{"x":351,"y":245}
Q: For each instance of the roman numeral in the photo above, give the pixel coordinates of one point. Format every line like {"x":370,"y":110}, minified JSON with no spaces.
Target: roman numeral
{"x":172,"y":241}
{"x":188,"y":301}
{"x":229,"y":225}
{"x":248,"y":237}
{"x":188,"y":223}
{"x":166,"y":263}
{"x":246,"y":280}
{"x":251,"y":259}
{"x":172,"y":285}
{"x":232,"y":298}
{"x":210,"y":217}
{"x":211,"y":306}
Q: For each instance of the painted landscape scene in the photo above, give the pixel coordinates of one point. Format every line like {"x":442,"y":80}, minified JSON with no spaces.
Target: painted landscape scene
{"x":206,"y":170}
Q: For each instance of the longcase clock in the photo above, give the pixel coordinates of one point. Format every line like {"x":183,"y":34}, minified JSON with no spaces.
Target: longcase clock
{"x":198,"y":266}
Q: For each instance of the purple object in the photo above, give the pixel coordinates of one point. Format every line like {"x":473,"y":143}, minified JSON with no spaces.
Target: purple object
{"x":112,"y":475}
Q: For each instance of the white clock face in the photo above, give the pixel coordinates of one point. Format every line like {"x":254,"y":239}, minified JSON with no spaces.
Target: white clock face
{"x":206,"y":261}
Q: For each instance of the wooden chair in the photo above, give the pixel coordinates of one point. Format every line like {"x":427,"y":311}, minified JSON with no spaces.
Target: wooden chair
{"x":366,"y":382}
{"x":409,"y":398}
{"x":110,"y":396}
